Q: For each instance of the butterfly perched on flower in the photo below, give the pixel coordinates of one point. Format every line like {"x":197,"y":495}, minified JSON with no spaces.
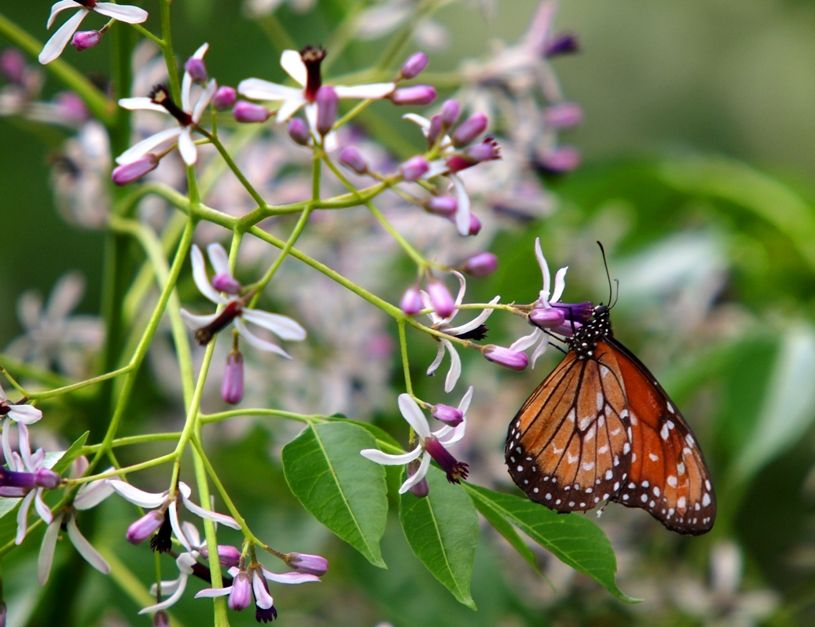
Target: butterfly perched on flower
{"x":600,"y":428}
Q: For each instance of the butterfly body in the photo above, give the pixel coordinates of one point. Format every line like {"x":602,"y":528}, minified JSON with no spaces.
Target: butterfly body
{"x":600,"y":428}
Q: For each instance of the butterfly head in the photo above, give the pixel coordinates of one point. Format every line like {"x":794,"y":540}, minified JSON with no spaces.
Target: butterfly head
{"x":598,"y":328}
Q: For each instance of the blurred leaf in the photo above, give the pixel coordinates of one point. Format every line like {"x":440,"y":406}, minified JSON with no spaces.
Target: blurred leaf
{"x":788,"y":407}
{"x":442,"y":530}
{"x":340,"y":488}
{"x":573,"y":539}
{"x":70,"y":454}
{"x":505,"y":528}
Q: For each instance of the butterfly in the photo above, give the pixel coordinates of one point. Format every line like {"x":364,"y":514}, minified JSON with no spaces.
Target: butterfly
{"x":600,"y":428}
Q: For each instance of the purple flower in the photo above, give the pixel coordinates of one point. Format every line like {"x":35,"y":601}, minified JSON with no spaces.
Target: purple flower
{"x":450,"y":415}
{"x":481,"y":264}
{"x":327,"y":102}
{"x":469,"y":129}
{"x":299,"y":132}
{"x":414,"y":65}
{"x":86,"y":39}
{"x":224,"y":98}
{"x":440,"y":299}
{"x":21,"y":413}
{"x":250,"y":113}
{"x":413,"y":95}
{"x":411,"y":302}
{"x":133,"y":171}
{"x":352,"y":158}
{"x":414,"y":168}
{"x":232,"y":385}
{"x":307,"y":563}
{"x":507,"y":357}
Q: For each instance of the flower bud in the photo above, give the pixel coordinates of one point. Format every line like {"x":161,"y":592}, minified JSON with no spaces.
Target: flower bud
{"x":469,"y":129}
{"x":482,"y":264}
{"x":435,"y":129}
{"x":413,"y":95}
{"x":250,"y":113}
{"x":241,"y":595}
{"x":486,"y":150}
{"x":225,"y":282}
{"x":160,"y":619}
{"x":225,"y":98}
{"x":414,"y":65}
{"x":232,"y":384}
{"x":133,"y":171}
{"x":559,"y":160}
{"x":13,"y":65}
{"x":447,"y":414}
{"x":71,"y":108}
{"x":475,"y":225}
{"x":228,"y":555}
{"x":46,"y":478}
{"x":442,"y":205}
{"x":563,"y":115}
{"x":309,"y":564}
{"x":145,"y":527}
{"x":514,"y":360}
{"x":547,"y":317}
{"x":411,"y":302}
{"x":197,"y":69}
{"x":298,"y":131}
{"x":352,"y":159}
{"x":414,"y":168}
{"x":440,"y":299}
{"x":327,"y":102}
{"x":86,"y":39}
{"x":421,"y":489}
{"x":450,"y":111}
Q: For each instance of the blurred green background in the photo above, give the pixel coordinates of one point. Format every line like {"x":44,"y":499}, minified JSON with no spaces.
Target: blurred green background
{"x":698,"y":175}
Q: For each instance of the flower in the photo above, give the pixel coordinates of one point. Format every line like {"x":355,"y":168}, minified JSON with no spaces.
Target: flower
{"x":188,"y":116}
{"x":473,"y":329}
{"x":54,"y":46}
{"x":19,"y":413}
{"x":432,"y":445}
{"x":67,"y":518}
{"x":304,"y":68}
{"x":234,"y":310}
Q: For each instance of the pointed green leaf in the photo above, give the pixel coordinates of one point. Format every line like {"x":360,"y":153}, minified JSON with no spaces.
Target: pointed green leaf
{"x":572,"y":538}
{"x":341,"y":489}
{"x":496,"y":518}
{"x":442,"y":530}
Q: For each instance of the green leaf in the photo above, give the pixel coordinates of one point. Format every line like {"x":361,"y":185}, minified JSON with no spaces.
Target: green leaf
{"x":573,"y":539}
{"x":442,"y":530}
{"x":341,"y":489}
{"x":496,"y":518}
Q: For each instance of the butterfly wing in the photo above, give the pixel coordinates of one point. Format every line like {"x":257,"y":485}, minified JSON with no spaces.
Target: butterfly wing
{"x":569,"y":446}
{"x":668,"y":476}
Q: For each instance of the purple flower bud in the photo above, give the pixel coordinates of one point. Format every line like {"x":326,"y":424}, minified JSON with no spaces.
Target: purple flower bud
{"x":450,"y":111}
{"x":225,"y":98}
{"x":228,"y":555}
{"x":133,"y":171}
{"x":352,"y":158}
{"x":482,"y":264}
{"x":250,"y":113}
{"x":442,"y":205}
{"x":469,"y":129}
{"x":299,"y":132}
{"x":475,"y":225}
{"x":455,"y":470}
{"x":421,"y":489}
{"x":226,"y":283}
{"x":440,"y":299}
{"x":414,"y":65}
{"x":486,"y":150}
{"x":309,"y":564}
{"x":514,"y":360}
{"x":435,"y":130}
{"x":411,"y":302}
{"x":413,"y":95}
{"x":71,"y":107}
{"x":559,"y":160}
{"x":563,"y":115}
{"x":447,"y":414}
{"x":414,"y":168}
{"x":562,"y":43}
{"x":145,"y":527}
{"x":327,"y":101}
{"x":241,"y":595}
{"x":232,"y":384}
{"x":160,"y":619}
{"x":85,"y":39}
{"x":46,"y":478}
{"x":197,"y":69}
{"x":547,"y":317}
{"x":13,"y":65}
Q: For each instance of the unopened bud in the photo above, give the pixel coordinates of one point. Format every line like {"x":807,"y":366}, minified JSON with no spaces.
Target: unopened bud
{"x":450,"y":111}
{"x":469,"y":129}
{"x":225,"y":98}
{"x":414,"y":168}
{"x":145,"y":527}
{"x":514,"y":360}
{"x":563,"y":115}
{"x":250,"y":113}
{"x":411,"y":302}
{"x":133,"y":171}
{"x":447,"y":414}
{"x":232,"y":384}
{"x":298,"y":131}
{"x":197,"y":69}
{"x":442,"y":205}
{"x":86,"y":39}
{"x":482,"y":264}
{"x":440,"y":299}
{"x":413,"y":95}
{"x":327,"y":102}
{"x":309,"y":564}
{"x":414,"y":65}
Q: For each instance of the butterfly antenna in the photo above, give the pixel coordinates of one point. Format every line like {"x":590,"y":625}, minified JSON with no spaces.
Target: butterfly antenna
{"x":608,"y":274}
{"x":616,"y":293}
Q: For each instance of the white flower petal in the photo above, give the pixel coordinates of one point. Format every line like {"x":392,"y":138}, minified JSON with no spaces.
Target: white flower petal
{"x":421,"y":473}
{"x":194,"y":321}
{"x":372,"y":91}
{"x":414,"y":416}
{"x":7,"y":452}
{"x":258,"y":342}
{"x":186,"y":146}
{"x":221,"y":519}
{"x":191,"y":535}
{"x":199,"y":275}
{"x":24,"y":447}
{"x":292,"y":63}
{"x":464,"y":405}
{"x":47,"y":549}
{"x":386,"y":459}
{"x":42,"y":509}
{"x":289,"y":578}
{"x":22,"y":517}
{"x":525,"y":341}
{"x":203,"y":101}
{"x":93,"y":493}
{"x":169,"y":601}
{"x":540,"y":349}
{"x":163,"y":140}
{"x":560,"y":284}
{"x":431,"y":369}
{"x":284,"y":327}
{"x":202,"y":50}
{"x":140,"y":103}
{"x":24,"y":414}
{"x":186,"y":89}
{"x":58,"y":8}
{"x":454,"y":372}
{"x":218,"y":258}
{"x":475,"y":322}
{"x":209,"y":593}
{"x":420,"y":121}
{"x":463,"y":209}
{"x":175,"y":524}
{"x":289,"y":108}
{"x":149,"y":500}
{"x":454,"y":435}
{"x":436,"y":167}
{"x":544,"y":271}
{"x":121,"y":12}
{"x":85,"y":548}
{"x":263,"y":599}
{"x":259,"y":89}
{"x":54,"y":46}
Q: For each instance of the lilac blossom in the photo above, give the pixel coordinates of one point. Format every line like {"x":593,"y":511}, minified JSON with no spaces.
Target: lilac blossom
{"x":432,"y":445}
{"x":233,"y":306}
{"x":188,"y":115}
{"x":20,"y":413}
{"x":120,"y":12}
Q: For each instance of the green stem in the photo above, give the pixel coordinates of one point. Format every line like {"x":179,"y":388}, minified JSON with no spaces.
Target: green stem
{"x":234,"y":167}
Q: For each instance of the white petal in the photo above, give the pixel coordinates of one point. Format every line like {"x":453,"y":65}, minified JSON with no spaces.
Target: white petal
{"x":186,"y":146}
{"x":175,"y":524}
{"x":42,"y":509}
{"x":289,"y":578}
{"x":386,"y":459}
{"x":199,"y":275}
{"x":421,"y":473}
{"x":414,"y":416}
{"x":525,"y":341}
{"x":186,"y":88}
{"x":560,"y":284}
{"x":455,"y":368}
{"x":169,"y":601}
{"x":282,"y":326}
{"x":330,"y":142}
{"x":93,"y":493}
{"x":540,"y":349}
{"x":22,"y":518}
{"x":544,"y":271}
{"x":289,"y":108}
{"x":85,"y":548}
{"x":202,"y":50}
{"x":475,"y":322}
{"x":218,"y":258}
{"x":24,"y":448}
{"x":437,"y":360}
{"x":54,"y":46}
{"x":464,"y":405}
{"x":191,"y":534}
{"x":258,"y":89}
{"x":263,"y":599}
{"x":292,"y":62}
{"x":454,"y":435}
{"x":150,"y":500}
{"x":122,"y":12}
{"x":258,"y":342}
{"x":371,"y":91}
{"x":47,"y":548}
{"x":7,"y":453}
{"x":436,"y":167}
{"x":462,"y":288}
{"x":221,"y":519}
{"x":162,"y":139}
{"x":59,"y":7}
{"x":140,"y":103}
{"x":422,"y":122}
{"x":25,"y":414}
{"x":463,"y":209}
{"x":203,"y":101}
{"x":194,"y":321}
{"x":209,"y":593}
